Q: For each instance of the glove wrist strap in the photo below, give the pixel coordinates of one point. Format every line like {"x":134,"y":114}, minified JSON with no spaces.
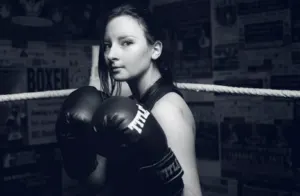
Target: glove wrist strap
{"x":166,"y":174}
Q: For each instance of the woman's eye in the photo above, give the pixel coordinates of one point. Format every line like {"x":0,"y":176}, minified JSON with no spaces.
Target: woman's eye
{"x":126,"y":43}
{"x":106,"y":45}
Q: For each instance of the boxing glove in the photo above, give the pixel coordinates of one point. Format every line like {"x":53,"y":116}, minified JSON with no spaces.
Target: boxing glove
{"x":119,"y":123}
{"x":73,"y":131}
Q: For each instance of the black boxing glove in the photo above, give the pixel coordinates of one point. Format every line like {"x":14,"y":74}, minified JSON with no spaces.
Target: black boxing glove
{"x":73,"y":131}
{"x":120,"y":122}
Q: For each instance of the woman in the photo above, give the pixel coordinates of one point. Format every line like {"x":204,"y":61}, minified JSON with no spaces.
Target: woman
{"x":132,"y":53}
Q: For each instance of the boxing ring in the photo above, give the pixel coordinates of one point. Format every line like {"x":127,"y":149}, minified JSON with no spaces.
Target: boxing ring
{"x":209,"y":88}
{"x":196,"y":87}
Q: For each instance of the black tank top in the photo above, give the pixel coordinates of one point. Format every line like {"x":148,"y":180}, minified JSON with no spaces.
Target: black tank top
{"x":159,"y":89}
{"x":128,"y":182}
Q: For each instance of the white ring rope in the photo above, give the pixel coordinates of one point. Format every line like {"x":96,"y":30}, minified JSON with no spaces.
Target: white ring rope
{"x":35,"y":95}
{"x":240,"y":90}
{"x":186,"y":86}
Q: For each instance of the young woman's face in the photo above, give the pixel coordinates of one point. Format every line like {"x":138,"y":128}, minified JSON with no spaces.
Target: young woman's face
{"x":127,"y":52}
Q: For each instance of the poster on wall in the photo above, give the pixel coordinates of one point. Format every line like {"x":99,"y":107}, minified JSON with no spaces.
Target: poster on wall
{"x":295,"y":56}
{"x":224,"y":22}
{"x":57,"y":66}
{"x":295,"y":21}
{"x":296,"y":145}
{"x":31,"y":171}
{"x":191,"y":33}
{"x":79,"y":61}
{"x":254,"y":111}
{"x":285,"y":82}
{"x":32,"y":121}
{"x":79,"y":76}
{"x":37,"y":54}
{"x":207,"y":131}
{"x":245,"y":110}
{"x":264,"y":149}
{"x":42,"y":113}
{"x":225,"y":58}
{"x":249,"y":190}
{"x":56,"y":54}
{"x":47,"y":78}
{"x":264,"y":24}
{"x":13,"y":115}
{"x":10,"y":56}
{"x":267,"y":60}
{"x":215,"y":186}
{"x":79,"y":54}
{"x":13,"y":124}
{"x":35,"y":68}
{"x":256,"y":135}
{"x":297,"y":110}
{"x":272,"y":110}
{"x":42,"y":116}
{"x":12,"y":80}
{"x":225,"y":47}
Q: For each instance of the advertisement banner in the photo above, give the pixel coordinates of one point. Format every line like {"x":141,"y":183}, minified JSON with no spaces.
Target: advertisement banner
{"x":31,"y":171}
{"x":207,"y":131}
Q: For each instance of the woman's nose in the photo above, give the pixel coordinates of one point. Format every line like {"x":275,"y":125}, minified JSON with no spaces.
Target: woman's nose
{"x":112,"y":53}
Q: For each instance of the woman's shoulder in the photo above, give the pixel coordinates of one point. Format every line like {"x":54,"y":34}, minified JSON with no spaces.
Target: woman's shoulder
{"x":173,"y":105}
{"x":172,"y":99}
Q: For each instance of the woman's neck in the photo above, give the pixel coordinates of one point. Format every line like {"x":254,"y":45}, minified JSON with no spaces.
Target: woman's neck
{"x":140,"y":85}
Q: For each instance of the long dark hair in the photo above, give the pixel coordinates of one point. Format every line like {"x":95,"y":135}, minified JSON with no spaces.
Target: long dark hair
{"x":153,"y":33}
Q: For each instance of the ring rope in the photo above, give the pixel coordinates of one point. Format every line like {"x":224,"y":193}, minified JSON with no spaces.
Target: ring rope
{"x":240,"y":90}
{"x":35,"y":95}
{"x":185,"y":86}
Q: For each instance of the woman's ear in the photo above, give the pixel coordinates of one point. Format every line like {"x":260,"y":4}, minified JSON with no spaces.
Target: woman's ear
{"x":157,"y":50}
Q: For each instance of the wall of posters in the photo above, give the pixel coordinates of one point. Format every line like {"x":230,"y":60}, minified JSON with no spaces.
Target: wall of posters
{"x":27,"y":137}
{"x":254,"y":43}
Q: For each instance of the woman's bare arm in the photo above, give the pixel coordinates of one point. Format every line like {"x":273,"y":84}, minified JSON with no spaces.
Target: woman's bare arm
{"x":179,"y":128}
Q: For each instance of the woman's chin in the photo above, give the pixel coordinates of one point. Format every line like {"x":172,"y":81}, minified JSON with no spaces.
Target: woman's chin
{"x":119,"y":77}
